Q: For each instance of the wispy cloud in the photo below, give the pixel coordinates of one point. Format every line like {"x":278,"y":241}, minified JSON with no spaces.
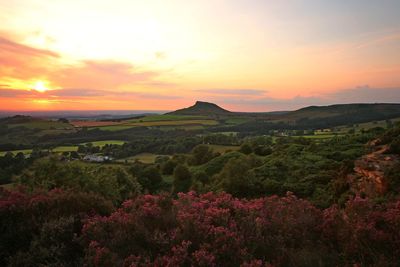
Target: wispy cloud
{"x":360,"y":94}
{"x":81,"y":93}
{"x":8,"y":46}
{"x":242,"y":92}
{"x":22,"y":62}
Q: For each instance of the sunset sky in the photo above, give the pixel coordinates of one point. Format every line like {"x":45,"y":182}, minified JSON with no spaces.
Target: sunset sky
{"x":250,"y":55}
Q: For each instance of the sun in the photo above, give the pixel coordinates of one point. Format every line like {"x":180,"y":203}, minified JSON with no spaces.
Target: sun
{"x":40,"y":86}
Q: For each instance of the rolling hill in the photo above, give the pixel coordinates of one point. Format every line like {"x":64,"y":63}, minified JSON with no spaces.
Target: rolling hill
{"x":344,"y":109}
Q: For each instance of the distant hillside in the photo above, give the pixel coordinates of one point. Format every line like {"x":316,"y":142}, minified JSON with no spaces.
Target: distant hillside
{"x":201,"y":108}
{"x":356,"y":112}
{"x":17,"y":119}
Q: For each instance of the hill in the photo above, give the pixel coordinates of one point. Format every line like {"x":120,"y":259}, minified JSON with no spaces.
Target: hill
{"x":353,"y":110}
{"x":201,"y":108}
{"x":335,"y":115}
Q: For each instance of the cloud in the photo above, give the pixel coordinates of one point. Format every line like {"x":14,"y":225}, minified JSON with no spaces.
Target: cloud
{"x":361,"y":94}
{"x":102,"y":74}
{"x":366,"y":94}
{"x":22,"y":62}
{"x":9,"y":46}
{"x":252,"y":92}
{"x":81,"y":93}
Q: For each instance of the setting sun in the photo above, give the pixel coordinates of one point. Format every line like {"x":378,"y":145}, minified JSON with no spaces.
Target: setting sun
{"x":40,"y":86}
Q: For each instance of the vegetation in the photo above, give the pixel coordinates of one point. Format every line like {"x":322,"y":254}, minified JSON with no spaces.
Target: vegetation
{"x":216,"y":196}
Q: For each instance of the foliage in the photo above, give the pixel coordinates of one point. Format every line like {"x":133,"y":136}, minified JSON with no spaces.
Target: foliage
{"x":39,"y":226}
{"x":182,"y":179}
{"x":112,"y":182}
{"x":219,"y":230}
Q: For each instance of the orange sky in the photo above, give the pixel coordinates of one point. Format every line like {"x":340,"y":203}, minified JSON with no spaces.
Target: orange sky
{"x":158,"y":55}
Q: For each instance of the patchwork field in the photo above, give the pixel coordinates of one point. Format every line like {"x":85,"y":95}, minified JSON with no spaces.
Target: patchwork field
{"x":107,"y":142}
{"x":94,"y":123}
{"x":42,"y":125}
{"x":170,"y":121}
{"x":368,"y":125}
{"x":61,"y":149}
{"x":166,"y":118}
{"x":147,"y":158}
{"x":173,"y":123}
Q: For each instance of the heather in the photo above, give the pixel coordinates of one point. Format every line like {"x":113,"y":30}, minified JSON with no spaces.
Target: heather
{"x":66,"y":228}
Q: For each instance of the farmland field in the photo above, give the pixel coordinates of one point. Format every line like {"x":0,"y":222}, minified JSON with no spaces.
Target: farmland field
{"x":236,"y":120}
{"x":148,"y":158}
{"x":368,"y":125}
{"x":173,"y":123}
{"x":94,"y":123}
{"x":107,"y":142}
{"x":42,"y":125}
{"x":166,"y":118}
{"x":61,"y":149}
{"x":113,"y":128}
{"x":319,"y":136}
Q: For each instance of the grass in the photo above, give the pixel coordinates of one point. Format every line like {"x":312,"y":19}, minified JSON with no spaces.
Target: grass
{"x":368,"y":125}
{"x":61,"y":149}
{"x":148,"y":158}
{"x":185,"y":124}
{"x":43,"y":125}
{"x":236,"y":120}
{"x":153,"y":118}
{"x":318,"y":136}
{"x":174,"y":123}
{"x":106,"y":142}
{"x":113,"y":128}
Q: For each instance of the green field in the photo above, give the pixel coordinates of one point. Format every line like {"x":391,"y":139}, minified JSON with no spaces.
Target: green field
{"x":43,"y":125}
{"x":368,"y":125}
{"x":153,"y":118}
{"x":238,"y":120}
{"x":169,"y":122}
{"x":318,"y":136}
{"x":106,"y":142}
{"x":147,"y":158}
{"x":61,"y":149}
{"x":173,"y":123}
{"x":113,"y":128}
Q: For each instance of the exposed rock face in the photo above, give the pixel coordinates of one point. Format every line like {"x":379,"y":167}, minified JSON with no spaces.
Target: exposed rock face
{"x":369,"y":171}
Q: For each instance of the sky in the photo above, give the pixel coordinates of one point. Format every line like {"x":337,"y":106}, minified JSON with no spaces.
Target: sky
{"x":245,"y":55}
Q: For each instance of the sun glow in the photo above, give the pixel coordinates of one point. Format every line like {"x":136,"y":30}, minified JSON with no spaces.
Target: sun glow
{"x":40,"y":86}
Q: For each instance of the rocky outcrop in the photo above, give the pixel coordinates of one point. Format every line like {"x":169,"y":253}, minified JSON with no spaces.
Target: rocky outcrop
{"x":369,"y":171}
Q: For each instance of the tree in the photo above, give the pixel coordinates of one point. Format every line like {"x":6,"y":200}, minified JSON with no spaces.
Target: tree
{"x":246,"y":149}
{"x":182,"y":179}
{"x":235,"y":177}
{"x":202,"y":177}
{"x":201,"y":154}
{"x":150,"y":178}
{"x":168,"y":167}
